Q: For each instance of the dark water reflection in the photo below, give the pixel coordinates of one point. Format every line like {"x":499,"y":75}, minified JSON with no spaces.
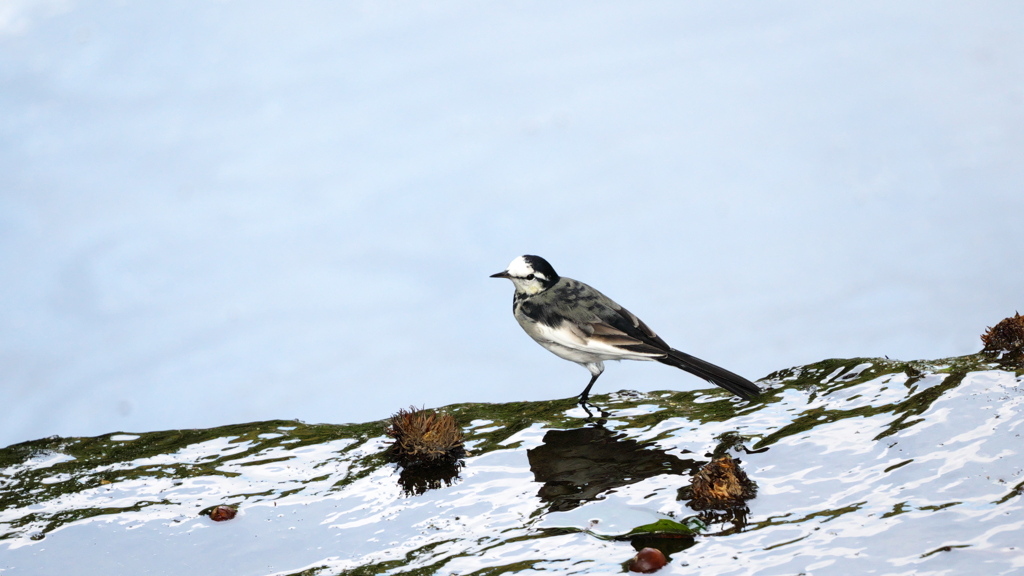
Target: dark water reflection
{"x":582,"y":464}
{"x":417,"y":480}
{"x":862,"y":466}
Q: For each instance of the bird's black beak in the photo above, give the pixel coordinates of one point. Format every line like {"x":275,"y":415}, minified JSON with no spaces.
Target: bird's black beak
{"x":502,"y":274}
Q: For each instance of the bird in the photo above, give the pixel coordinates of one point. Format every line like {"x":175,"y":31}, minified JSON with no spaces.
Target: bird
{"x":580,"y":324}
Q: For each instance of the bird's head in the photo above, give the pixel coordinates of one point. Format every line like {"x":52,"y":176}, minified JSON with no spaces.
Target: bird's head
{"x":530,"y":274}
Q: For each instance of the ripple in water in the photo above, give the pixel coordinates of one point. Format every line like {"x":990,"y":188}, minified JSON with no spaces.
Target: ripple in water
{"x":862,"y":466}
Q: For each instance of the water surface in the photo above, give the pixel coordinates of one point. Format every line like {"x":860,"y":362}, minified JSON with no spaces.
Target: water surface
{"x":862,"y":466}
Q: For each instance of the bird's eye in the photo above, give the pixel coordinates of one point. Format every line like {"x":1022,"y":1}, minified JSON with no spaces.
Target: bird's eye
{"x":530,"y":277}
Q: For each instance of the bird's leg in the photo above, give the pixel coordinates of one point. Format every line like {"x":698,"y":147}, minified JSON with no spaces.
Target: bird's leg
{"x":596,"y":368}
{"x":586,"y":391}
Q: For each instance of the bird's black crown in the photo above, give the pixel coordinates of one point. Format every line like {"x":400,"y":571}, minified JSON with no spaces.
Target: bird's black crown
{"x":541,"y":265}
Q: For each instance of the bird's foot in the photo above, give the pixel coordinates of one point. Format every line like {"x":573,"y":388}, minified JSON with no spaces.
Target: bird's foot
{"x":586,"y":408}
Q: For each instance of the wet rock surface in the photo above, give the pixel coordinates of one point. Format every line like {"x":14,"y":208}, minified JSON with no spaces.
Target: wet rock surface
{"x":861,"y":465}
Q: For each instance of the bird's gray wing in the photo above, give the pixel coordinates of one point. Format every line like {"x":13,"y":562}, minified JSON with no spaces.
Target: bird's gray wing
{"x":597,"y":319}
{"x":618,"y":327}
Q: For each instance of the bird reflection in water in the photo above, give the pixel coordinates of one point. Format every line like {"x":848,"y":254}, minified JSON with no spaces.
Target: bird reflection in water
{"x":580,"y":465}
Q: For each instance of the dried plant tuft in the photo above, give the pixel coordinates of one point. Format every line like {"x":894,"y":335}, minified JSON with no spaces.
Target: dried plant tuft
{"x":424,"y":437}
{"x":721,"y":484}
{"x":1006,"y":339}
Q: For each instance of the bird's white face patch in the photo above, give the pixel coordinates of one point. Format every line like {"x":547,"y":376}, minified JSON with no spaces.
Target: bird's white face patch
{"x":520,"y":268}
{"x":525,"y":278}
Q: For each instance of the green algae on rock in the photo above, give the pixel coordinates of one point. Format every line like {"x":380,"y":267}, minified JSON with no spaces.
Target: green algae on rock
{"x":862,"y":464}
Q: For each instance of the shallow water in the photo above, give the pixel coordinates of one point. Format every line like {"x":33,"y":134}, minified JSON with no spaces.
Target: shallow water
{"x":862,"y":466}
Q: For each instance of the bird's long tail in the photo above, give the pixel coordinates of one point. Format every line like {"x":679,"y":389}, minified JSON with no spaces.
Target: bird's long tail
{"x":717,"y":375}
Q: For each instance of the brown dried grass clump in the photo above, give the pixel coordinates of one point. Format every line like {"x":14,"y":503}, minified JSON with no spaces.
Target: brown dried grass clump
{"x":424,"y":437}
{"x":720,"y":484}
{"x":1007,"y":337}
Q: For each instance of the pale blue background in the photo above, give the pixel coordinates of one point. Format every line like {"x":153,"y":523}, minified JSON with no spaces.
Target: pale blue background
{"x":216,"y":212}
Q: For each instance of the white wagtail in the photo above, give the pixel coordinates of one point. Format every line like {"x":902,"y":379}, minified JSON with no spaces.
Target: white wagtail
{"x":580,"y":324}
